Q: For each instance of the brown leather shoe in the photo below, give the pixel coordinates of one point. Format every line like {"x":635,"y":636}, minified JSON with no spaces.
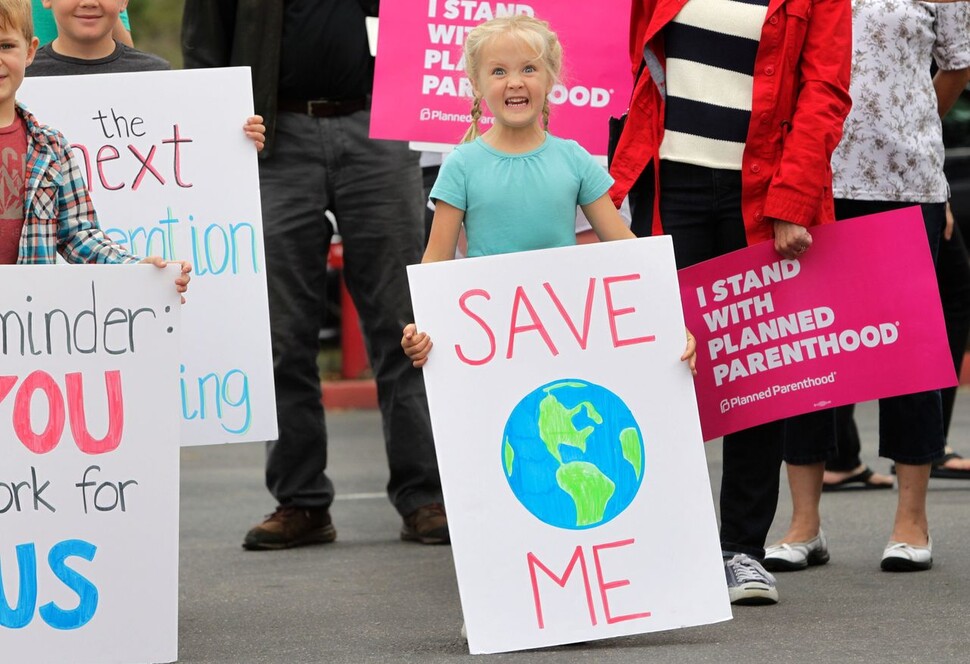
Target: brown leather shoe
{"x":428,"y":525}
{"x":291,"y":526}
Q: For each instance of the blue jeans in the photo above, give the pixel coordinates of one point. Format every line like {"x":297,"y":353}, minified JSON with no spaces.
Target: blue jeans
{"x":701,"y":211}
{"x":374,"y":190}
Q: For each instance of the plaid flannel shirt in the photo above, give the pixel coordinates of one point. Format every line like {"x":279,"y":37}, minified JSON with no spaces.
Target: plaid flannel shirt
{"x":59,"y":217}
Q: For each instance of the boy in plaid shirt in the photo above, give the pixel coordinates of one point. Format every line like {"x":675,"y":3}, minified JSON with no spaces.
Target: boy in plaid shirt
{"x":45,"y":209}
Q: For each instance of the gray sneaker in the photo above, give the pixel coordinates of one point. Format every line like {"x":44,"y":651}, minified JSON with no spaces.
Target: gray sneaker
{"x":748,"y":582}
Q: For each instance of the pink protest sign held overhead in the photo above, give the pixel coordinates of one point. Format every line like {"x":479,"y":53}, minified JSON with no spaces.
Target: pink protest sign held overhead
{"x":858,"y":317}
{"x":420,"y":89}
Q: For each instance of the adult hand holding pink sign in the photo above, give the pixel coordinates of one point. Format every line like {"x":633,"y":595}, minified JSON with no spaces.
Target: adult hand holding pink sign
{"x":782,"y":337}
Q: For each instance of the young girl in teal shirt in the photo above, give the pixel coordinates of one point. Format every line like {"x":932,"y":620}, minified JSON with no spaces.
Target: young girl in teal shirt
{"x":515,"y":187}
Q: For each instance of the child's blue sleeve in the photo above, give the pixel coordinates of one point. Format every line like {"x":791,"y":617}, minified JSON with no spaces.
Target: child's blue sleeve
{"x":595,"y":179}
{"x":451,"y":184}
{"x":44,"y":27}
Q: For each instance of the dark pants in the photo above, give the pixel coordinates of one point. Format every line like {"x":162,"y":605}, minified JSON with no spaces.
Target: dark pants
{"x":953,"y":276}
{"x":910,"y":425}
{"x":374,"y":190}
{"x":701,"y":211}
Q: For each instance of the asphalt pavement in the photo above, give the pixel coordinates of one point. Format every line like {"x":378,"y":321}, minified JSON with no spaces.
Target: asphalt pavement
{"x":371,"y":598}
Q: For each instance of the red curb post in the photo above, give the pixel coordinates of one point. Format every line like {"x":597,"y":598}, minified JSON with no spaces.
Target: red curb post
{"x":353,"y":353}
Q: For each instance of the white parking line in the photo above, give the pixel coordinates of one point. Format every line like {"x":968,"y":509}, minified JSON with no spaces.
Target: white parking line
{"x":359,"y":496}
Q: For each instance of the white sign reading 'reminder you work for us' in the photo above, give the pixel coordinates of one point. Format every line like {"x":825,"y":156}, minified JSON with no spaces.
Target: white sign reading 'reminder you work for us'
{"x":89,"y":464}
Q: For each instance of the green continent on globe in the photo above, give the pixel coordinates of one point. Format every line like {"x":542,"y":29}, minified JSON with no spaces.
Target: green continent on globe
{"x":589,"y":488}
{"x":556,"y":423}
{"x":509,"y":457}
{"x":632,"y":449}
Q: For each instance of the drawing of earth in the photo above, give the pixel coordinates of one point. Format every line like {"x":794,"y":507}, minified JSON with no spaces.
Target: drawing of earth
{"x":573,"y":454}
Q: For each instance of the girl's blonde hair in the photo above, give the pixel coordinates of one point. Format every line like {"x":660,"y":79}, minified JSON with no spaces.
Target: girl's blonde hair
{"x":18,"y":15}
{"x":532,"y":32}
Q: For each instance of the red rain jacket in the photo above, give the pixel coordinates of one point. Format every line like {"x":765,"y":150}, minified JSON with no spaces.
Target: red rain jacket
{"x":799,"y":103}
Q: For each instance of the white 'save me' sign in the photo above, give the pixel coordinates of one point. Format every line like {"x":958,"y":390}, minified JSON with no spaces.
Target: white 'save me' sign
{"x":569,"y":444}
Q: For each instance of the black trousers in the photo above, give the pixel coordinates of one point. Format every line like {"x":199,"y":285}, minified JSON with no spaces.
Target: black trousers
{"x":701,"y":211}
{"x":911,"y":426}
{"x":374,"y":189}
{"x":953,"y":277}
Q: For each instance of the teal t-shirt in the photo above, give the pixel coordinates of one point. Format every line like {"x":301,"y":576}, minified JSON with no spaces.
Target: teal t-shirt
{"x":518,"y":202}
{"x":46,"y":29}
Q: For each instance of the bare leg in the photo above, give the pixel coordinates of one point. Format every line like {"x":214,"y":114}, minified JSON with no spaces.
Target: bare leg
{"x":806,"y":492}
{"x":912,"y":525}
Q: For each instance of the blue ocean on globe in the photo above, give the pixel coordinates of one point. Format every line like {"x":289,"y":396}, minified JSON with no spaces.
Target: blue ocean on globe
{"x":573,"y":454}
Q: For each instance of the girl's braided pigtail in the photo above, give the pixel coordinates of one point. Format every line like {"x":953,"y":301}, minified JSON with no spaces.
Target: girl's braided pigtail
{"x":473,"y":131}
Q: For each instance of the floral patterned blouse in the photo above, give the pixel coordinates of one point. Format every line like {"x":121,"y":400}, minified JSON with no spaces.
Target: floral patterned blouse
{"x":892,"y":147}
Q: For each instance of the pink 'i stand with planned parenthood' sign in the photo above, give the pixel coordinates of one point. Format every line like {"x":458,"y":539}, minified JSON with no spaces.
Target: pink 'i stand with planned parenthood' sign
{"x":421,"y":93}
{"x":856,"y":318}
